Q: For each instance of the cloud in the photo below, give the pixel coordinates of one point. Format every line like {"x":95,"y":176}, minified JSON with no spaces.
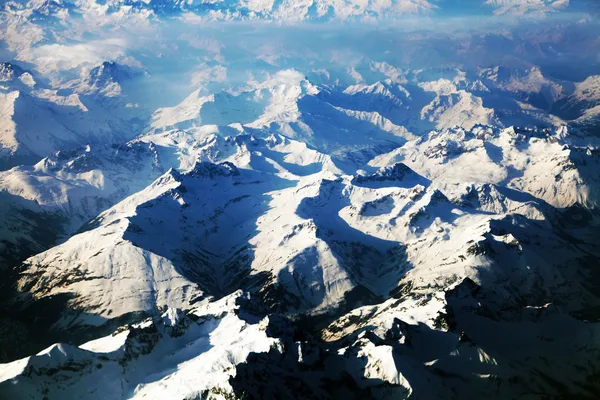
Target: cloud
{"x":60,"y":57}
{"x":205,"y":74}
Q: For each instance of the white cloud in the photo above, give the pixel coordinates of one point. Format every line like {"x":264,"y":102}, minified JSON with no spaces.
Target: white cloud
{"x":206,"y":74}
{"x":59,"y":57}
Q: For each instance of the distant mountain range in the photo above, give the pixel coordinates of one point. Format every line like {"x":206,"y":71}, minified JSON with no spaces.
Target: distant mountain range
{"x":321,"y":10}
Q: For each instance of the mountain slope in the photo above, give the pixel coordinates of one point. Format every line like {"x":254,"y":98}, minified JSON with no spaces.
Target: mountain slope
{"x":204,"y":345}
{"x":39,"y":120}
{"x":54,"y":197}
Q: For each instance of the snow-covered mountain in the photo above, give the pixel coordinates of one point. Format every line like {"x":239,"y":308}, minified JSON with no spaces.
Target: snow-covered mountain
{"x":198,"y":203}
{"x":583,"y":105}
{"x":107,"y":78}
{"x":497,"y":277}
{"x":341,"y":240}
{"x":211,"y":340}
{"x":558,"y":168}
{"x":53,"y":198}
{"x":65,"y":118}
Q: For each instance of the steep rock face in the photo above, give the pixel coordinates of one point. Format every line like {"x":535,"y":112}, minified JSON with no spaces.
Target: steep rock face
{"x":473,"y":342}
{"x":115,"y":90}
{"x":399,"y":173}
{"x":106,"y":78}
{"x":582,"y":107}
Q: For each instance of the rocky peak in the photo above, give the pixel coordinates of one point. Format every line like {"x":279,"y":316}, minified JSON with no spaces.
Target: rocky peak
{"x":210,"y":170}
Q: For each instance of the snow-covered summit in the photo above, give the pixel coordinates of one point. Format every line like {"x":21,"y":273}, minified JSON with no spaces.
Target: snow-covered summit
{"x":107,"y":78}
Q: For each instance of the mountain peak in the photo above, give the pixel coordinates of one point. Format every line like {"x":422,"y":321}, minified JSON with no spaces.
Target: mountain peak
{"x":9,"y":71}
{"x":107,"y":78}
{"x":110,"y":71}
{"x":210,"y":170}
{"x":398,"y":172}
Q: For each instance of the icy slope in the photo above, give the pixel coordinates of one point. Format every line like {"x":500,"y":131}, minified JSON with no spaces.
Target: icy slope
{"x":52,"y":199}
{"x":153,"y":282}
